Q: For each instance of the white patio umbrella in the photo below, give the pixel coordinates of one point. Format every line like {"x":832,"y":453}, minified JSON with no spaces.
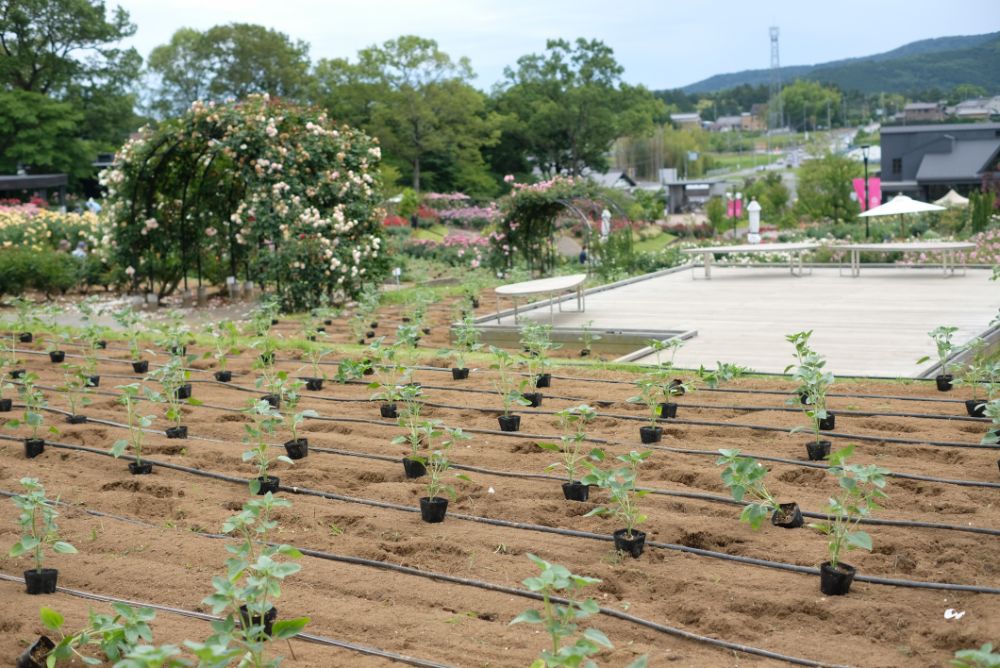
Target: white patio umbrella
{"x":900,"y":205}
{"x":953,"y":199}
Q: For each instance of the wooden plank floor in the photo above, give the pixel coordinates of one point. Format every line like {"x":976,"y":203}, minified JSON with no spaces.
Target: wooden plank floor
{"x":875,"y":324}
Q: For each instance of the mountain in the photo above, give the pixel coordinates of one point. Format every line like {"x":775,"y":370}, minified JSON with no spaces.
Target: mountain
{"x":942,"y":63}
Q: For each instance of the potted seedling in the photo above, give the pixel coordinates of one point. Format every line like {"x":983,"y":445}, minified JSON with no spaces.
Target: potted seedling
{"x":349,"y":370}
{"x":434,"y":506}
{"x":981,"y":373}
{"x":130,"y":321}
{"x":744,"y":477}
{"x":55,"y":346}
{"x":723,"y":373}
{"x":391,"y":376}
{"x":6,"y":366}
{"x":472,"y":287}
{"x":649,"y":394}
{"x":560,"y":616}
{"x":247,"y":593}
{"x":175,"y":392}
{"x":859,"y":491}
{"x":588,"y":338}
{"x":314,"y":354}
{"x":266,"y":419}
{"x":358,"y":327}
{"x":76,"y":388}
{"x":510,"y":395}
{"x":174,"y":335}
{"x":536,"y":342}
{"x":466,"y":341}
{"x":39,"y":533}
{"x":137,"y":425}
{"x":92,"y":333}
{"x":418,"y":433}
{"x":814,"y":381}
{"x":225,"y":336}
{"x":33,"y":416}
{"x":118,"y":636}
{"x":620,"y":482}
{"x":296,"y":447}
{"x":273,"y":382}
{"x":992,"y":411}
{"x":27,"y":318}
{"x":574,"y":423}
{"x":670,"y":388}
{"x":942,"y":343}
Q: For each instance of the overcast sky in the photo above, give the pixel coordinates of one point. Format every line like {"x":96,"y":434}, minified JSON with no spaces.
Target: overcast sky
{"x":660,"y":43}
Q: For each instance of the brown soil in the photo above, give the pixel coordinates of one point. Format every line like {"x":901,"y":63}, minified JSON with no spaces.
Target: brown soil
{"x":165,"y":563}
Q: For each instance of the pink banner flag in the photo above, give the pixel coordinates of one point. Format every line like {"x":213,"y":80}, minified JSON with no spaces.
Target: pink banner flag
{"x":735,"y":208}
{"x":874,"y":192}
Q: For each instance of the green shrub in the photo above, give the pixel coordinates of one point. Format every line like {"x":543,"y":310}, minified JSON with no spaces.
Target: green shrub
{"x":45,"y":271}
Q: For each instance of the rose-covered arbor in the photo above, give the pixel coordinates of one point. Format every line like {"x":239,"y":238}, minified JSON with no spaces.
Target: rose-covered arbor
{"x":260,"y":188}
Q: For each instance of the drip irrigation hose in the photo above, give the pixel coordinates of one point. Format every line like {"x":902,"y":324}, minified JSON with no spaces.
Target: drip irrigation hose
{"x":305,"y":637}
{"x":527,"y":526}
{"x":481,"y":584}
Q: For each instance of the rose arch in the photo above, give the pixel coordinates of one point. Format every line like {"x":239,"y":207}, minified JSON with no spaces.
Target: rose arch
{"x":261,"y":189}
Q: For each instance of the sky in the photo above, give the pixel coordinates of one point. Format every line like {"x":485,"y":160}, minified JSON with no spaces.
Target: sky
{"x":660,"y":43}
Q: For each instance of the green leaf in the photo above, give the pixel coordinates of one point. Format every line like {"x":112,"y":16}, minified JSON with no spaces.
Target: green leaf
{"x":51,"y":619}
{"x":287,"y":628}
{"x":596,"y":636}
{"x":62,"y":547}
{"x":527,"y":617}
{"x":859,"y":539}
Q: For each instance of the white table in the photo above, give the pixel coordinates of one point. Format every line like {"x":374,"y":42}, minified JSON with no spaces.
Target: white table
{"x":550,"y":286}
{"x":946,"y":248}
{"x":794,"y":250}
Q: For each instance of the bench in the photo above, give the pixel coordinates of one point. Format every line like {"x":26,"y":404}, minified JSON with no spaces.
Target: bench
{"x":946,"y":248}
{"x":794,"y":250}
{"x":550,"y":286}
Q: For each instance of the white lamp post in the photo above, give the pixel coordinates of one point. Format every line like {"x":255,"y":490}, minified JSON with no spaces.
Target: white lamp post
{"x":753,"y":212}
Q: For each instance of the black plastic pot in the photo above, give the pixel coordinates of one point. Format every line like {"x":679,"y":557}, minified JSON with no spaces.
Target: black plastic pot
{"x":509,"y":422}
{"x":433,"y":510}
{"x":475,"y":302}
{"x":272,"y":399}
{"x":373,"y":324}
{"x":544,"y":380}
{"x":804,"y":399}
{"x":76,"y":419}
{"x":6,"y":405}
{"x":368,"y":370}
{"x":25,"y":337}
{"x":835,"y":581}
{"x":177,"y":432}
{"x":41,"y":582}
{"x":426,"y":331}
{"x":178,"y":351}
{"x":633,"y":546}
{"x":17,"y":373}
{"x":534,"y":399}
{"x":268,"y":484}
{"x":33,"y":447}
{"x":184,"y":391}
{"x":649,"y":434}
{"x":247,"y":620}
{"x":314,"y":384}
{"x":223,"y":376}
{"x":266,"y":358}
{"x":828,"y":423}
{"x":668,"y":410}
{"x":101,"y":345}
{"x":818,"y":450}
{"x":93,"y":381}
{"x":943,"y":381}
{"x":144,"y":468}
{"x":459,"y":374}
{"x":297,"y":449}
{"x":575,"y":491}
{"x":788,"y":516}
{"x":328,"y":322}
{"x":975,"y":408}
{"x":34,"y":656}
{"x":142,"y":366}
{"x":57,"y":356}
{"x":675,"y":387}
{"x":413,"y":468}
{"x":274,"y":321}
{"x":388,"y":411}
{"x":585,"y":352}
{"x":311,"y":337}
{"x":322,"y":330}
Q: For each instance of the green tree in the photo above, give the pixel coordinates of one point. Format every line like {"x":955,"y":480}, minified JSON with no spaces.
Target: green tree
{"x":808,"y":103}
{"x":825,"y":189}
{"x":39,"y":131}
{"x":418,"y":101}
{"x":232,"y":60}
{"x":569,"y":106}
{"x":771,"y":193}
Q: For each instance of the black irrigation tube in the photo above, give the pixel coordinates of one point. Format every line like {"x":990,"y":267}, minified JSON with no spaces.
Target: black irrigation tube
{"x":527,"y":526}
{"x":468,"y":582}
{"x":305,"y":637}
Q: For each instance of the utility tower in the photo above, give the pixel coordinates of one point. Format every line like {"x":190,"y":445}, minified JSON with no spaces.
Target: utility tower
{"x":775,"y":113}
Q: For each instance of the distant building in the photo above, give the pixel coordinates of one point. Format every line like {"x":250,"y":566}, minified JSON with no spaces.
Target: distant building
{"x":926,"y":161}
{"x":976,"y":109}
{"x":923,"y":112}
{"x":686,"y":120}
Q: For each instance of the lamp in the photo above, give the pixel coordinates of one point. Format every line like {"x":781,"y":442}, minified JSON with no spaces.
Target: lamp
{"x":865,"y":148}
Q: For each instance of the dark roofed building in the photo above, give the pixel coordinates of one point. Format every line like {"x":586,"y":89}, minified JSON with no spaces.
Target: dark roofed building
{"x":926,"y":161}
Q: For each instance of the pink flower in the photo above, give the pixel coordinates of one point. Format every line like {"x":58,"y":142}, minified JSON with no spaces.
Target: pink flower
{"x":474,"y":264}
{"x":210,"y":232}
{"x":509,"y":178}
{"x":130,"y":271}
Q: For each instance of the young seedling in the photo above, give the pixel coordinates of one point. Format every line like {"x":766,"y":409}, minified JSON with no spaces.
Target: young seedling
{"x":265,"y":422}
{"x":860,"y":491}
{"x":984,"y":657}
{"x":39,"y":532}
{"x":744,"y":477}
{"x":510,"y":393}
{"x":814,"y":382}
{"x":118,"y":636}
{"x":573,"y":422}
{"x":560,"y":615}
{"x":981,"y":373}
{"x":391,"y":376}
{"x":536,"y":342}
{"x":670,"y":345}
{"x":945,"y":348}
{"x":588,"y":338}
{"x":76,"y":389}
{"x":225,"y":338}
{"x":33,"y":415}
{"x":418,"y":433}
{"x":433,"y":507}
{"x":131,"y":321}
{"x":992,"y":411}
{"x":27,"y":318}
{"x":724,"y":372}
{"x":137,"y":425}
{"x":620,"y":482}
{"x":296,"y":447}
{"x":246,"y":596}
{"x":314,"y":354}
{"x":466,"y":342}
{"x":175,"y":393}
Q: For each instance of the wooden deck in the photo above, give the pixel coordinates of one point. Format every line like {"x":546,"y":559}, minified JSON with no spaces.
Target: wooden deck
{"x":875,"y":324}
